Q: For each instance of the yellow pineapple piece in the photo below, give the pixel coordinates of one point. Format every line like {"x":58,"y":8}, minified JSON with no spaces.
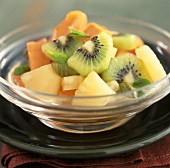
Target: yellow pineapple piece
{"x":113,"y":85}
{"x":43,"y":79}
{"x":93,"y":85}
{"x":71,"y":82}
{"x":151,"y":63}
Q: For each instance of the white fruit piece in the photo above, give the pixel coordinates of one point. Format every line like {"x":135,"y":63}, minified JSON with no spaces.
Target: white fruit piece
{"x":113,"y":85}
{"x":71,"y":82}
{"x":93,"y":85}
{"x":43,"y":79}
{"x":151,"y":63}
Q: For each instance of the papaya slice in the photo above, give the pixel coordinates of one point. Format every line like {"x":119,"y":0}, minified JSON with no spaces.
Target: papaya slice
{"x":124,"y":52}
{"x":67,"y":93}
{"x":75,"y":19}
{"x":17,"y":80}
{"x":35,"y":55}
{"x":139,"y":42}
{"x":93,"y":29}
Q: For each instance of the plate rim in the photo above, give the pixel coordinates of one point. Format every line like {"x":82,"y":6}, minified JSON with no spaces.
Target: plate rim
{"x":85,"y":153}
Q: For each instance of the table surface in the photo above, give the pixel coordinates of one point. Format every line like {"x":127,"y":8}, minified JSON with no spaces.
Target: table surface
{"x":15,"y":14}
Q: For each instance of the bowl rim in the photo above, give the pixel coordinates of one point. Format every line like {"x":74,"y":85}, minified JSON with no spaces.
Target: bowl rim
{"x":117,"y":18}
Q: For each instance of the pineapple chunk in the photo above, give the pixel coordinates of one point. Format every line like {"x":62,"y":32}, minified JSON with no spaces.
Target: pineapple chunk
{"x":43,"y":79}
{"x":71,"y":82}
{"x":113,"y":85}
{"x":151,"y":63}
{"x":93,"y":85}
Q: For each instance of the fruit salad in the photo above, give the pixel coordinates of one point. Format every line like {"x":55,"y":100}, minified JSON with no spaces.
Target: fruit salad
{"x":84,"y":58}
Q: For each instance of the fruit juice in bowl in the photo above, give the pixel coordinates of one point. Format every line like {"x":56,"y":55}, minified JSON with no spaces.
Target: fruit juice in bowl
{"x":87,"y":74}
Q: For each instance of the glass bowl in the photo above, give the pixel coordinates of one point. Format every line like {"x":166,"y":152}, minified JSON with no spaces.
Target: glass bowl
{"x":89,"y":114}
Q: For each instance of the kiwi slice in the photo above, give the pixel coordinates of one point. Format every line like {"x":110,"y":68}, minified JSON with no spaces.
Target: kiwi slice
{"x":140,"y":82}
{"x":94,"y":55}
{"x":126,"y":41}
{"x":123,"y":87}
{"x":61,"y":49}
{"x":63,"y":69}
{"x":125,"y":68}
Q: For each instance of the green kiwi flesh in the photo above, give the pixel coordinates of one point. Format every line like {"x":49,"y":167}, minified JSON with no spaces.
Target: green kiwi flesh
{"x":61,"y":49}
{"x":124,"y":41}
{"x":125,"y":68}
{"x":123,"y":87}
{"x":94,"y":55}
{"x":63,"y":69}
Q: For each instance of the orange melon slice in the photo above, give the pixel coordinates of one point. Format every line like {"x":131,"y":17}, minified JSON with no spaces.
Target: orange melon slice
{"x":17,"y":80}
{"x":66,"y":93}
{"x":75,"y":19}
{"x":124,"y":52}
{"x":93,"y":29}
{"x":36,"y":57}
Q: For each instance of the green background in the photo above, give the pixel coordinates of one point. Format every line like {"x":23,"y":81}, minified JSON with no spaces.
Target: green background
{"x":14,"y":13}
